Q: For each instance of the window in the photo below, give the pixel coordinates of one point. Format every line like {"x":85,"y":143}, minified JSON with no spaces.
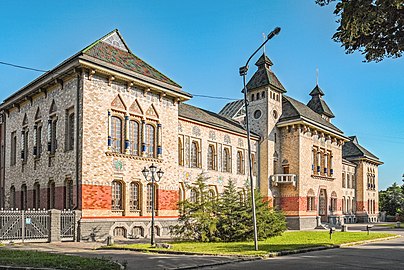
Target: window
{"x":211,"y":157}
{"x":13,"y":155}
{"x":23,"y":197}
{"x":51,"y":194}
{"x":37,"y":196}
{"x":38,"y":141}
{"x":253,"y":164}
{"x":116,"y":134}
{"x":311,"y":201}
{"x":24,"y":145}
{"x":193,"y":196}
{"x":117,"y":195}
{"x":333,"y":204}
{"x":180,"y":153}
{"x":69,"y":130}
{"x":240,"y":162}
{"x":194,"y":154}
{"x":150,"y":141}
{"x":134,"y":137}
{"x":263,"y":94}
{"x":226,"y":160}
{"x":134,"y":196}
{"x":52,"y":141}
{"x":68,"y":198}
{"x":149,"y":198}
{"x":12,"y":197}
{"x":348,"y":180}
{"x":343,"y":180}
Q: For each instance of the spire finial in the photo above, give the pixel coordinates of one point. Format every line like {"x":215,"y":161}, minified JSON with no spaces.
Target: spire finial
{"x":316,"y":75}
{"x":264,"y":38}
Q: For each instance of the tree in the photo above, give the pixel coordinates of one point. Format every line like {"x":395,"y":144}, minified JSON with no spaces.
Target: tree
{"x":198,"y":218}
{"x":392,"y":200}
{"x":373,"y":27}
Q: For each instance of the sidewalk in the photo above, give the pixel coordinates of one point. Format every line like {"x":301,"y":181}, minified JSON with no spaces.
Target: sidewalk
{"x":133,"y":260}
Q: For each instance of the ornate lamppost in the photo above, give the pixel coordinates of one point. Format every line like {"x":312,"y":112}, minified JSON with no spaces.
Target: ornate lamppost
{"x":152,"y":171}
{"x":243,"y":72}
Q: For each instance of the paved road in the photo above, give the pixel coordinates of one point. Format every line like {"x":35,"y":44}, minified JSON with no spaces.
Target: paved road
{"x":378,"y":255}
{"x":133,"y":260}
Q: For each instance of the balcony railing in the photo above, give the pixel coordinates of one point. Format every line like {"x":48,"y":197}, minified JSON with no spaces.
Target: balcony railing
{"x":284,"y":179}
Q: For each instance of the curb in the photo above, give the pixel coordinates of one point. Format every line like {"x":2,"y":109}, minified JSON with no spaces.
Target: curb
{"x":369,"y":241}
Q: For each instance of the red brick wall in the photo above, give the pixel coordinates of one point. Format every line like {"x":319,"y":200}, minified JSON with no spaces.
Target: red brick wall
{"x":293,"y":203}
{"x":167,"y":199}
{"x":96,"y":197}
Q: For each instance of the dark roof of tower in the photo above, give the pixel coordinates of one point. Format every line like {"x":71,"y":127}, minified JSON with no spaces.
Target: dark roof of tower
{"x":210,"y":118}
{"x":318,"y":104}
{"x":232,"y":108}
{"x":352,"y":149}
{"x":265,"y":76}
{"x":293,"y":109}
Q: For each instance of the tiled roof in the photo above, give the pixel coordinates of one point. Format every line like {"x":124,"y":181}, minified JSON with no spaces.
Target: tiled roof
{"x":318,"y":104}
{"x":232,"y":108}
{"x":353,"y":149}
{"x":293,"y":109}
{"x":264,"y":76}
{"x":125,"y":59}
{"x":210,"y":118}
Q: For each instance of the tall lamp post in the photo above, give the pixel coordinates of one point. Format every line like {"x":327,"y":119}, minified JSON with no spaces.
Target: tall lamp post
{"x":243,"y":72}
{"x":146,"y":172}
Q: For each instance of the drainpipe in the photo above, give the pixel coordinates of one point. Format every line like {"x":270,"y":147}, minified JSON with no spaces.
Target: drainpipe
{"x":77,"y":140}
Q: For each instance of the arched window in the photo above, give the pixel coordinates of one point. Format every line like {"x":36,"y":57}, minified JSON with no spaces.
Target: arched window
{"x":263,"y":94}
{"x":12,"y":197}
{"x":343,"y":205}
{"x":180,"y":153}
{"x":117,"y":195}
{"x":68,"y":190}
{"x":116,"y":134}
{"x":226,"y":160}
{"x":149,"y":197}
{"x":36,"y":204}
{"x":193,"y":196}
{"x":134,"y":138}
{"x":311,"y":201}
{"x":333,"y":204}
{"x":258,"y":96}
{"x":252,"y":97}
{"x":240,"y":162}
{"x":150,"y":141}
{"x":194,"y":154}
{"x":253,"y":164}
{"x":24,"y":197}
{"x":211,"y":157}
{"x":51,"y":194}
{"x":134,"y":196}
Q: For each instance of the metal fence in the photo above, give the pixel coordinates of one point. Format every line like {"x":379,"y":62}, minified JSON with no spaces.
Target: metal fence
{"x":37,"y":225}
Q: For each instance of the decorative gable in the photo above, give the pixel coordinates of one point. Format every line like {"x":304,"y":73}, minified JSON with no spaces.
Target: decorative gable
{"x":151,"y":111}
{"x":115,"y":40}
{"x":118,"y":104}
{"x":38,"y":114}
{"x":53,"y":107}
{"x":135,"y":108}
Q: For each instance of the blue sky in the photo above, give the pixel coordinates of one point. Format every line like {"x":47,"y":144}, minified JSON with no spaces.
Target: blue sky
{"x":201,"y":45}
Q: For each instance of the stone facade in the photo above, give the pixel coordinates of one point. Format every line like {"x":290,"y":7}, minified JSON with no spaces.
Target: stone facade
{"x":71,"y":142}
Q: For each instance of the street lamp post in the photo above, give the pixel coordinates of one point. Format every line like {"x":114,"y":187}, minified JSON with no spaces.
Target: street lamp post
{"x":153,"y":180}
{"x":243,"y":72}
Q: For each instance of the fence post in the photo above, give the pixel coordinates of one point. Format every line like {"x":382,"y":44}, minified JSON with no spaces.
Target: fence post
{"x":22,"y":225}
{"x":54,"y":228}
{"x":77,"y":218}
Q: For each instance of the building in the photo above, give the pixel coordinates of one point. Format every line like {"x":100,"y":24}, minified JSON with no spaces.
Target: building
{"x":78,"y":137}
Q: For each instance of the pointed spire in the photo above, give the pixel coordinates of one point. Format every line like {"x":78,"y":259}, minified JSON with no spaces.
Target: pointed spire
{"x":263,"y":62}
{"x":316,"y":91}
{"x":318,"y":104}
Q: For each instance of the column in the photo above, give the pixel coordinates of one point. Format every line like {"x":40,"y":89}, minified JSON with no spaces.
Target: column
{"x":159,"y":140}
{"x":35,"y":140}
{"x":143,"y":137}
{"x":109,"y":130}
{"x":49,"y":135}
{"x":126,"y":134}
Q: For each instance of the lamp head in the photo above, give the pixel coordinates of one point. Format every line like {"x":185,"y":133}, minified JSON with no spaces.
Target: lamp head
{"x":153,"y":168}
{"x":160,"y":174}
{"x":274,"y":33}
{"x":145,"y":172}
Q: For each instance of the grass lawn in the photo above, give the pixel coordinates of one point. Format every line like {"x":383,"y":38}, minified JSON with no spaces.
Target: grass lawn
{"x":288,"y":241}
{"x":390,"y":225}
{"x":41,"y":259}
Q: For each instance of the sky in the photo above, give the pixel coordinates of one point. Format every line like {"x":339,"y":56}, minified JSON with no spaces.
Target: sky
{"x":202,"y":44}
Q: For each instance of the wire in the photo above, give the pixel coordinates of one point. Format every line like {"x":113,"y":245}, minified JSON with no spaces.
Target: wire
{"x":41,"y":70}
{"x":23,"y":67}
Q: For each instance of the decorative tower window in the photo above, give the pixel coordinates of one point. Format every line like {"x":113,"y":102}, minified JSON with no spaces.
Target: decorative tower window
{"x":150,"y":141}
{"x":134,"y":138}
{"x":116,"y":135}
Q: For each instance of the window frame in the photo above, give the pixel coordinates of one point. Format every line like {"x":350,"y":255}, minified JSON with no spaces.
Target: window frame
{"x":117,"y":196}
{"x":117,"y":140}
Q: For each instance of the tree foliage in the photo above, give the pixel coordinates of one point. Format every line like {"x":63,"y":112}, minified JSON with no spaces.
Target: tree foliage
{"x":391,"y":200}
{"x":373,"y":27}
{"x":226,"y":218}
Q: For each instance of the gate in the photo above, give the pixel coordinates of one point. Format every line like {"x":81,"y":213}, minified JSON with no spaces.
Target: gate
{"x":67,"y":225}
{"x":31,"y":225}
